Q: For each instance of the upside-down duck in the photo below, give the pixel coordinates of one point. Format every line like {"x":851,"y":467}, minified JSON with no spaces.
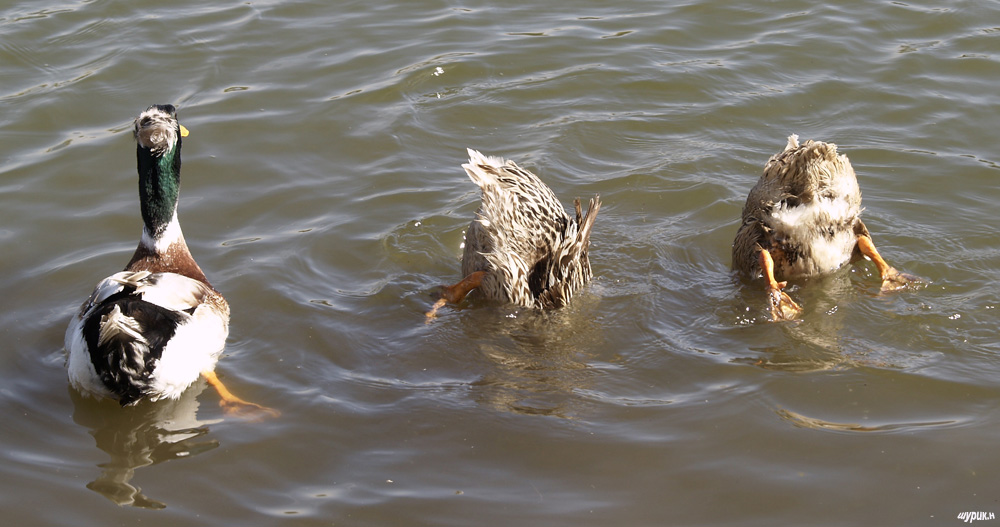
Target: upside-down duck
{"x":522,"y":247}
{"x":802,"y":219}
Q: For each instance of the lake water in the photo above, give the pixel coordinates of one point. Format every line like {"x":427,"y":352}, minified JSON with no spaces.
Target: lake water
{"x":323,"y":195}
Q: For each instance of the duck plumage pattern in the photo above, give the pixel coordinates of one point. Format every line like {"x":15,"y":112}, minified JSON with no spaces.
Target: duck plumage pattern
{"x":152,"y":329}
{"x":522,"y":247}
{"x":803,"y":219}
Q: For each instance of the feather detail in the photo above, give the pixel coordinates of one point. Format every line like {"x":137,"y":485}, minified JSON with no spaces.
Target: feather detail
{"x":152,"y":329}
{"x":805,"y":210}
{"x":115,"y":325}
{"x":534,"y":253}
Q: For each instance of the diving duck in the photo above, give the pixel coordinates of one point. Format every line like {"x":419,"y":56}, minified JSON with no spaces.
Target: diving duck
{"x":522,"y":248}
{"x":802,"y":219}
{"x":150,"y":331}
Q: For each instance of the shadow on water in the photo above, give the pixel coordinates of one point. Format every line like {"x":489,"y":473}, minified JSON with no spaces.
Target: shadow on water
{"x":140,"y":436}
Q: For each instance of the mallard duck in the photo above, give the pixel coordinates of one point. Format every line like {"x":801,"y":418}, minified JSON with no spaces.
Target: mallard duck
{"x":522,"y":248}
{"x":802,"y":219}
{"x":150,"y":331}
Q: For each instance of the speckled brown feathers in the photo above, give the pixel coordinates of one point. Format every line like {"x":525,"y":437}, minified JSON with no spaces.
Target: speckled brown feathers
{"x":534,"y":254}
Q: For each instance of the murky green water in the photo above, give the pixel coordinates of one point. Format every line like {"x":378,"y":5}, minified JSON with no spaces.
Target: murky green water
{"x":323,"y":196}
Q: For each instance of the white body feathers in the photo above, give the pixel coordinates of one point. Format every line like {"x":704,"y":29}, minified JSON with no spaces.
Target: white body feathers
{"x":197,"y":341}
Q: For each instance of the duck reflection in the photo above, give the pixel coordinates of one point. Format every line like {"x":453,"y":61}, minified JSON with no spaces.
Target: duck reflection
{"x":824,"y":339}
{"x":141,"y":435}
{"x":817,"y":341}
{"x":536,"y":366}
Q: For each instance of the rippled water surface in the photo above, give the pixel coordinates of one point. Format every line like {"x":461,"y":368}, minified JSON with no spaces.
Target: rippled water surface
{"x":323,"y":196}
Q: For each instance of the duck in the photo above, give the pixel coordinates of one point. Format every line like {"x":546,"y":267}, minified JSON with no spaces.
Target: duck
{"x":151,"y":330}
{"x":803,"y":219}
{"x":522,"y":247}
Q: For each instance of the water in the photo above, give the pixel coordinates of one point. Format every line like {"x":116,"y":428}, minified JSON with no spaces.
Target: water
{"x":323,"y":196}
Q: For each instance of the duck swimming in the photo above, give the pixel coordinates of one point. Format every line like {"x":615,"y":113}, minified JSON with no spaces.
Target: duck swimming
{"x":522,"y":248}
{"x":802,"y":219}
{"x":150,"y":331}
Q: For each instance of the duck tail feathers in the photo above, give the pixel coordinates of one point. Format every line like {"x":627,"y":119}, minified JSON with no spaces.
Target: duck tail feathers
{"x":793,"y":142}
{"x":482,"y":169}
{"x":587,"y":222}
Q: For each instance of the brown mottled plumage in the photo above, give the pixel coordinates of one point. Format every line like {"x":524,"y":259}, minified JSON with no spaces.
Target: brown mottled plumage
{"x":522,"y":247}
{"x":802,"y":219}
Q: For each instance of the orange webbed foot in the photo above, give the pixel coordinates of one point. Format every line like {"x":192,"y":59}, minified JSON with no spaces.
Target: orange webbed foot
{"x":432,"y":313}
{"x":782,"y":305}
{"x":893,"y":280}
{"x":248,"y":411}
{"x":455,"y":293}
{"x":234,"y":406}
